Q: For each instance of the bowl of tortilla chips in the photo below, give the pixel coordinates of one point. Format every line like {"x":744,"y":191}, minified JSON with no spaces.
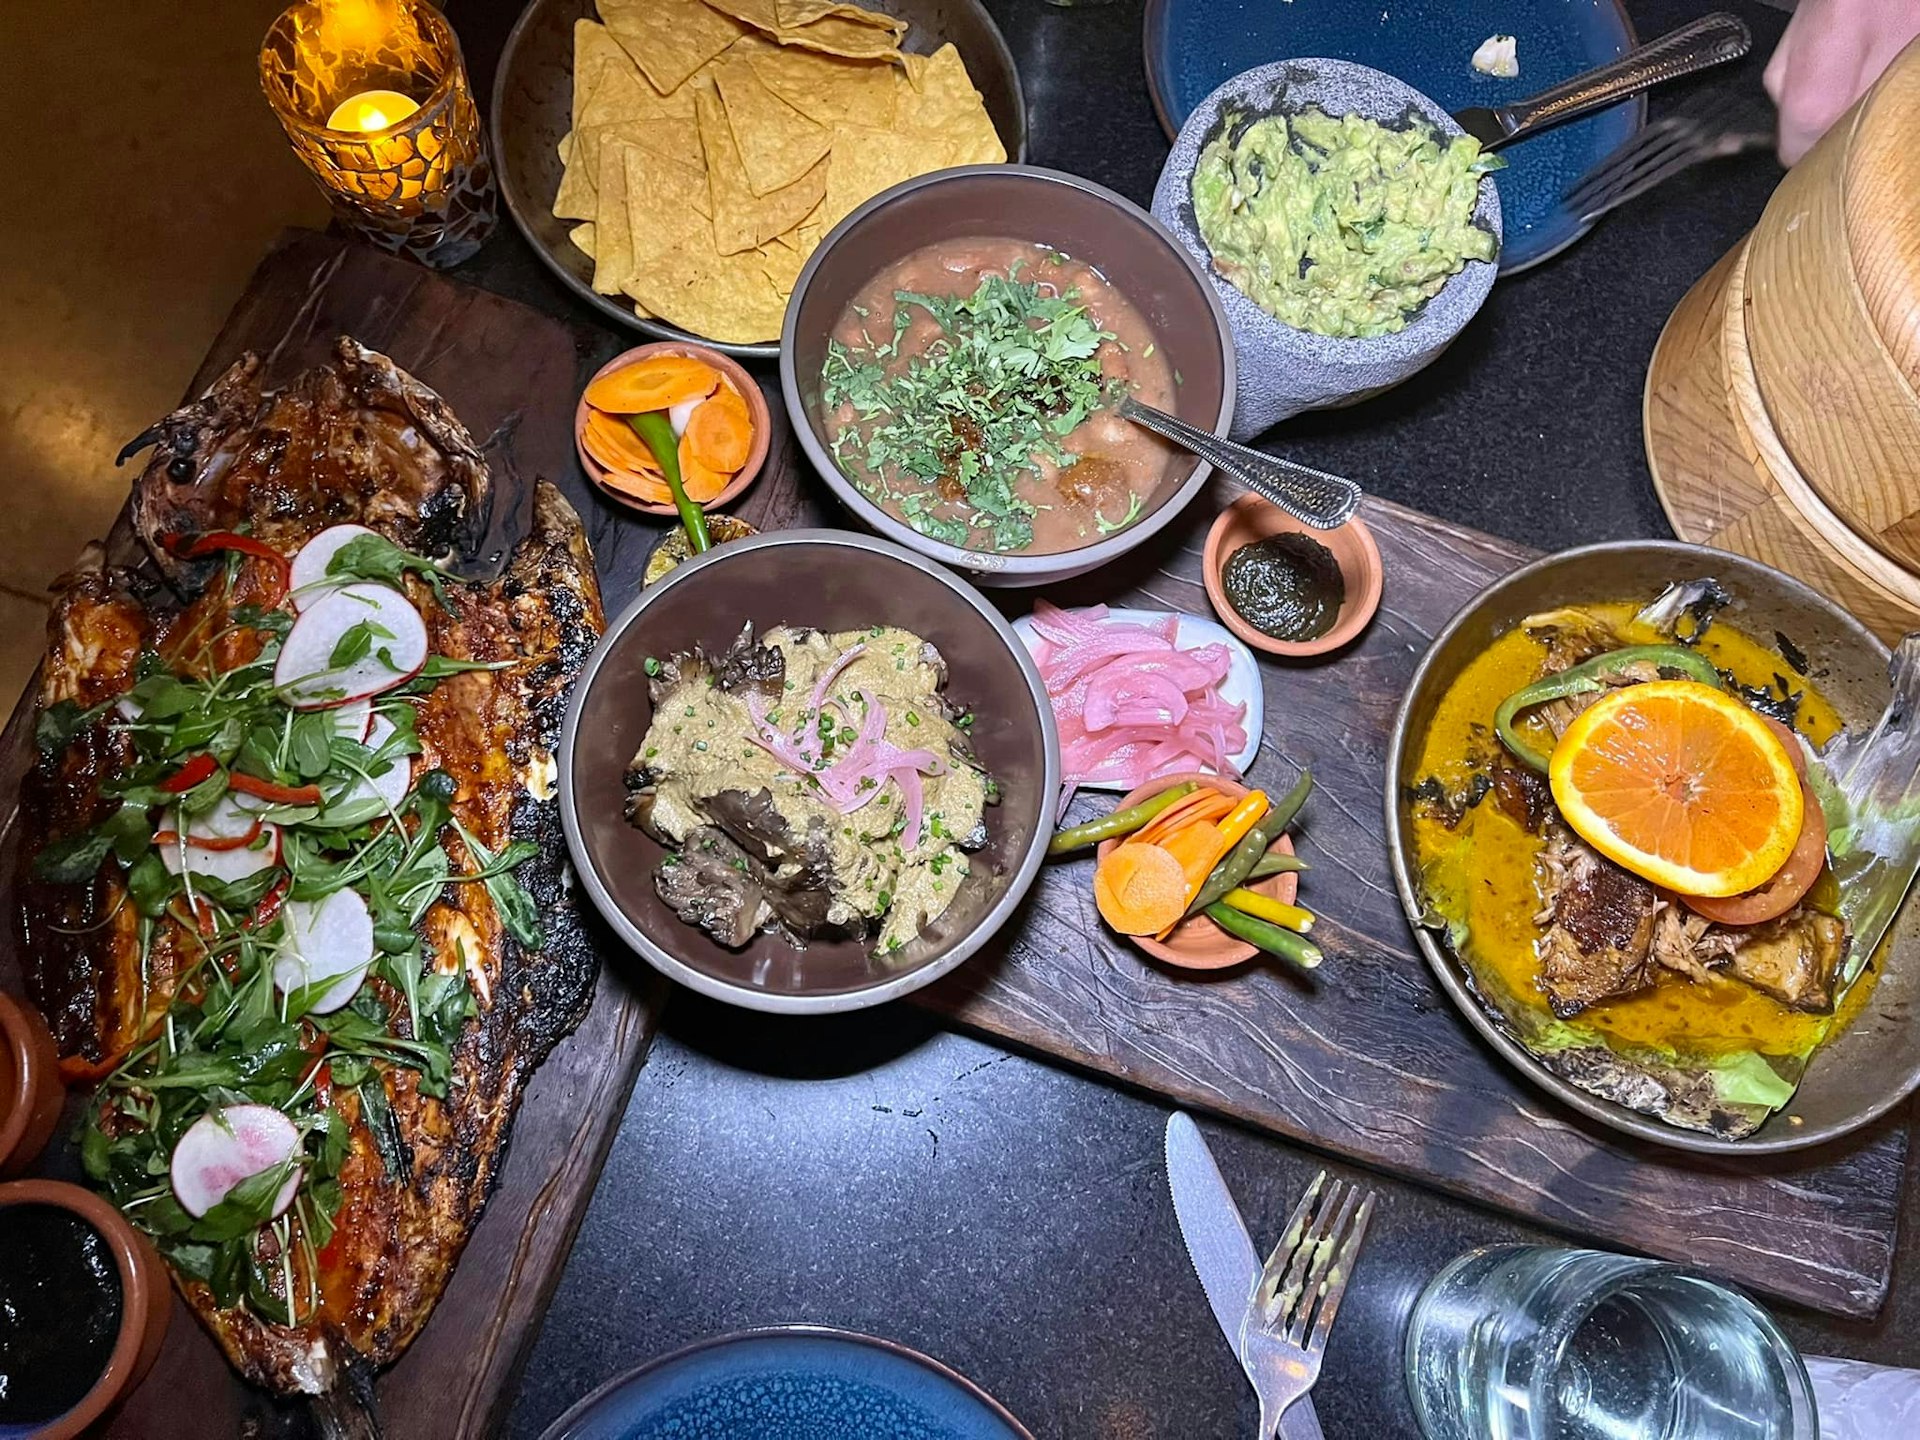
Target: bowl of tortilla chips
{"x":675,"y":162}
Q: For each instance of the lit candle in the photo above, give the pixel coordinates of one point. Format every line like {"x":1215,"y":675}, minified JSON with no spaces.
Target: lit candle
{"x":371,"y":110}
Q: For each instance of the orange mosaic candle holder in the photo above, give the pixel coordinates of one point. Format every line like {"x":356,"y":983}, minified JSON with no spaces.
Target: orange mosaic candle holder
{"x":420,"y":186}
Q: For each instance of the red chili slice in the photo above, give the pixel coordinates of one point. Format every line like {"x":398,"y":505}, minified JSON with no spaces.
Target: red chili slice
{"x":190,"y":774}
{"x":196,"y":547}
{"x":269,"y":905}
{"x":278,"y":794}
{"x":209,"y":842}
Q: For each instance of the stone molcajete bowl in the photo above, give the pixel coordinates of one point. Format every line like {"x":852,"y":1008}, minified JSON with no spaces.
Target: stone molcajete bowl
{"x":1283,"y":371}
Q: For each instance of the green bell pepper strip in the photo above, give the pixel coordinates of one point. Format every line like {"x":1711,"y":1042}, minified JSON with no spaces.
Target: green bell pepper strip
{"x":657,"y":430}
{"x":1588,"y":677}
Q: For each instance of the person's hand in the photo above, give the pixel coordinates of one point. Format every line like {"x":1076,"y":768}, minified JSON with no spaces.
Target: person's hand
{"x":1831,"y":54}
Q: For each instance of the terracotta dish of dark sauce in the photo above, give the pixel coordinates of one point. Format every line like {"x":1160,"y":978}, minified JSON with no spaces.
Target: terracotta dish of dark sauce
{"x":1288,"y":586}
{"x":59,"y":1311}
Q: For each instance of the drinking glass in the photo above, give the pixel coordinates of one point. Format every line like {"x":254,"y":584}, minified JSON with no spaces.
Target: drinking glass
{"x":1521,"y":1342}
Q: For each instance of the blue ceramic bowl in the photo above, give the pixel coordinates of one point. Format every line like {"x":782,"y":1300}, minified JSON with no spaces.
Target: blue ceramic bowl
{"x":1280,"y":370}
{"x":1191,"y":46}
{"x":794,"y":1382}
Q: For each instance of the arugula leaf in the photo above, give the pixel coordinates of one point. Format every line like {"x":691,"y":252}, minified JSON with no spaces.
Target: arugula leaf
{"x":374,"y":557}
{"x":356,"y":642}
{"x":74,"y":859}
{"x":247,"y":1206}
{"x":395,"y":1158}
{"x":55,"y":726}
{"x":515,"y":906}
{"x":149,"y":885}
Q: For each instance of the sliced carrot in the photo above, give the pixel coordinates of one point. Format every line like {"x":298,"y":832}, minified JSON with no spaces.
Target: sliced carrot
{"x":1139,"y":888}
{"x":650,"y":488}
{"x":702,"y":484}
{"x":612,"y":442}
{"x":1202,"y":846}
{"x":1202,"y":805}
{"x":720,"y":431}
{"x":657,"y":383}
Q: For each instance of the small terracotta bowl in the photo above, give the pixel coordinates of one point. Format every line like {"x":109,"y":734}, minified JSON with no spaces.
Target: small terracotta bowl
{"x":736,"y":375}
{"x":146,"y":1300}
{"x":1249,"y":519}
{"x":1198,"y":943}
{"x":31,"y":1089}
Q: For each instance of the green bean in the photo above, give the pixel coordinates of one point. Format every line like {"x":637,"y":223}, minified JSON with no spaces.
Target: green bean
{"x":1275,"y":863}
{"x":1119,"y":823}
{"x":1238,"y":863}
{"x":1262,"y":936}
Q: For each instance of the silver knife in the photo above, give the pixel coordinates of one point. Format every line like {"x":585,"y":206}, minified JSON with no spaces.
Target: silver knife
{"x":1220,"y":1249}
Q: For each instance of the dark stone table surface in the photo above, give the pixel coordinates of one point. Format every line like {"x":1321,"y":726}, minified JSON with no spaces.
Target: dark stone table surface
{"x":1008,"y":1216}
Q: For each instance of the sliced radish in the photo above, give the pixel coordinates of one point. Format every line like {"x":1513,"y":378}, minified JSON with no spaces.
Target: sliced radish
{"x":305,"y":672}
{"x":224,"y":1147}
{"x":326,"y":939}
{"x":352,"y":720}
{"x":227,"y":865}
{"x":127,"y":710}
{"x":310,"y":580}
{"x":391,"y":788}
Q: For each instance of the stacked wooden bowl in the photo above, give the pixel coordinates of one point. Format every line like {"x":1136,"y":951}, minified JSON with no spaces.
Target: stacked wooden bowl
{"x":1783,"y":401}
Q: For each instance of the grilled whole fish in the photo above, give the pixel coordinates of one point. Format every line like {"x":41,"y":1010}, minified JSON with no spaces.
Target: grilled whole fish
{"x":354,"y":440}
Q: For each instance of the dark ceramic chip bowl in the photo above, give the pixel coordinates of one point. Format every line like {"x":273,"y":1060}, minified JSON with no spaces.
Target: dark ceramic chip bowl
{"x":533,"y":107}
{"x":828,"y":580}
{"x":1090,"y":223}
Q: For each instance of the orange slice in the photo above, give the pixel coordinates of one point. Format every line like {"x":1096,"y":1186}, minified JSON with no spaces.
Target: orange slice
{"x":1682,"y":784}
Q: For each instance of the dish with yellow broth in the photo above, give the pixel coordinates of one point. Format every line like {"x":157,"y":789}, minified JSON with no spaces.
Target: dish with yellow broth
{"x":1615,"y":817}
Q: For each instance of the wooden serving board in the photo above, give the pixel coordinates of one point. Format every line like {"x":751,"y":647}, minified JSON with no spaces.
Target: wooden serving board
{"x":1367,"y":1058}
{"x":511,"y":375}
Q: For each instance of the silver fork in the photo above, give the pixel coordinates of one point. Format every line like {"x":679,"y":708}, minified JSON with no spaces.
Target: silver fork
{"x":1659,"y":152}
{"x":1293,"y":1306}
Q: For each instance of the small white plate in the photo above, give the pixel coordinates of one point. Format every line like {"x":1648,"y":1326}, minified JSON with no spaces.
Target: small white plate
{"x":1241,"y":687}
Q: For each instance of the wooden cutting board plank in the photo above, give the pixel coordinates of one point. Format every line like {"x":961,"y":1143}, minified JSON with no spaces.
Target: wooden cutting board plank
{"x":1368,"y":1058}
{"x":511,"y":374}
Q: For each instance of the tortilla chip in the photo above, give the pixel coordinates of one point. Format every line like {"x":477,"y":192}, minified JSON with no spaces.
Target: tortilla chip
{"x":839,"y":35}
{"x":939,"y":99}
{"x":593,"y":49}
{"x":741,"y":219}
{"x":760,"y":14}
{"x":612,"y":233}
{"x":783,"y":256}
{"x":777,"y":143}
{"x":867,"y":160}
{"x":825,"y":88}
{"x":575,"y":199}
{"x":669,"y":39}
{"x":727,"y":298}
{"x":666,"y":206}
{"x":582,"y":238}
{"x":792,"y":14}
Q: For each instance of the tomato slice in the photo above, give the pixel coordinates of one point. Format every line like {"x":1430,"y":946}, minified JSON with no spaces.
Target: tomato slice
{"x":1789,"y":883}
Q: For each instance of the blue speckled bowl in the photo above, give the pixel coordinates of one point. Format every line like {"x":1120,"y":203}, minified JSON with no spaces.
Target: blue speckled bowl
{"x":792,"y":1382}
{"x":1281,"y":370}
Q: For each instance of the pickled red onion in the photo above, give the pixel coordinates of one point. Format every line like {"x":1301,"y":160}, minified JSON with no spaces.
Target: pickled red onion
{"x":1129,"y":703}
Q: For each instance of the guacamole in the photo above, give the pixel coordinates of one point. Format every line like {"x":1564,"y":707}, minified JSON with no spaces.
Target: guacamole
{"x":1340,"y":225}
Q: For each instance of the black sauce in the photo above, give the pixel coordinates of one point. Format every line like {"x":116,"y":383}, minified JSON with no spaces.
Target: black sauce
{"x":1288,"y":586}
{"x":59,"y":1311}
